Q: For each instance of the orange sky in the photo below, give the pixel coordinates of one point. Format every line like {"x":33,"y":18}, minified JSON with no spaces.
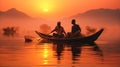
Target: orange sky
{"x":56,"y":8}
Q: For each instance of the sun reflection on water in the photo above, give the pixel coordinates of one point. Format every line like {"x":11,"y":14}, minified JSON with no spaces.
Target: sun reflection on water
{"x":45,"y":54}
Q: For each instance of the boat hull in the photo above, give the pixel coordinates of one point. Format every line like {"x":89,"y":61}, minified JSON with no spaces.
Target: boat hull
{"x":87,"y":39}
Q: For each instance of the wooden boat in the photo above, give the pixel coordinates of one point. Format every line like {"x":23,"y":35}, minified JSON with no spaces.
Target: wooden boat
{"x":86,"y":39}
{"x":28,"y":38}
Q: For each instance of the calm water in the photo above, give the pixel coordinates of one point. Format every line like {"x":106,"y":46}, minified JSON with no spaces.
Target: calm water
{"x":14,"y":52}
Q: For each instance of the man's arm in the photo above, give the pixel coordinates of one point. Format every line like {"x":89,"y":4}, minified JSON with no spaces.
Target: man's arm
{"x":79,"y":28}
{"x":64,"y":31}
{"x":53,"y":30}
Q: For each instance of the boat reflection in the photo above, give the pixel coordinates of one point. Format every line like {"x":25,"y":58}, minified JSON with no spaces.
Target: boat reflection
{"x":75,"y":50}
{"x":59,"y":48}
{"x":90,"y":50}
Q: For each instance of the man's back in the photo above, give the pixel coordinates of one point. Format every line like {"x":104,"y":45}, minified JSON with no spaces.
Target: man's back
{"x":75,"y":28}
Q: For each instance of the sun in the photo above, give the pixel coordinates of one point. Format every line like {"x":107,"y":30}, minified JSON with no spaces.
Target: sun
{"x":45,"y":6}
{"x":45,"y":10}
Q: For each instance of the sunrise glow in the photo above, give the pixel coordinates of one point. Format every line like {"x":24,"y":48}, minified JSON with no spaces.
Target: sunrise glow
{"x":45,"y":6}
{"x":56,"y":8}
{"x":45,"y":10}
{"x":87,"y":36}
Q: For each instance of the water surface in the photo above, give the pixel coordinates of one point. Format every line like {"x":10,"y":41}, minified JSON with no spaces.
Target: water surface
{"x":14,"y":52}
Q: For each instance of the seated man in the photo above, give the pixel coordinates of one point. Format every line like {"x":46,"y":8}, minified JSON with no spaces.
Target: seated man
{"x":60,"y":32}
{"x":76,"y":30}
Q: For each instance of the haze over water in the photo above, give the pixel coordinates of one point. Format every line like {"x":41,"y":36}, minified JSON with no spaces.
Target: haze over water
{"x":14,"y":52}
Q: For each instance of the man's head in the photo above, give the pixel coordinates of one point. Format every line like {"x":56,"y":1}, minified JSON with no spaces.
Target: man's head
{"x":73,"y":21}
{"x":59,"y":23}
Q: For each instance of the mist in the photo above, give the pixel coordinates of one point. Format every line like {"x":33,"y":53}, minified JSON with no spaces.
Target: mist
{"x":45,"y":28}
{"x":28,"y":26}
